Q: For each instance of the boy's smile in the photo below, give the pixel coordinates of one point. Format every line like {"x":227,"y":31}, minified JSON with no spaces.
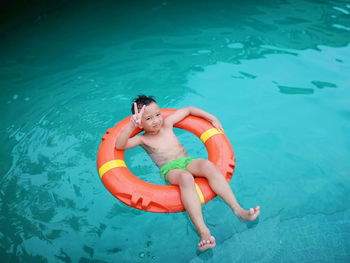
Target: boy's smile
{"x":152,"y":119}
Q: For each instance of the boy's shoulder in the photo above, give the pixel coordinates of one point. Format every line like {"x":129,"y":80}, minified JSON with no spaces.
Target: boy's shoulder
{"x":167,"y":122}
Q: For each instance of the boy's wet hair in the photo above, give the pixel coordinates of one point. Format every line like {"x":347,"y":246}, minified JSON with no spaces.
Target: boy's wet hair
{"x":142,"y":100}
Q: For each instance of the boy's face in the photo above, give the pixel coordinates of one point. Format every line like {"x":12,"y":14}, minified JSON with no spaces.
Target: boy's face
{"x":152,"y":119}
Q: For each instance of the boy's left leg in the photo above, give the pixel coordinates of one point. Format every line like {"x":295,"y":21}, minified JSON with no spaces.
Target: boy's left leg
{"x":204,"y":168}
{"x":191,"y":202}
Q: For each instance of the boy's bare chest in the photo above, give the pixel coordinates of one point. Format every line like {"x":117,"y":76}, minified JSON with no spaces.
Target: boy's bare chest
{"x":163,"y":139}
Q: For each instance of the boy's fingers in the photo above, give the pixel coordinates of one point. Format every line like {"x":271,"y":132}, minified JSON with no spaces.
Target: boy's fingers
{"x":142,"y":110}
{"x":218,"y":126}
{"x":133,"y":121}
{"x":135,"y":108}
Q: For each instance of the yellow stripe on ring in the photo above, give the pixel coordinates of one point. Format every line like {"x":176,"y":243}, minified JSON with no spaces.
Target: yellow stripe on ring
{"x":110,"y":165}
{"x":200,"y":194}
{"x":209,"y":133}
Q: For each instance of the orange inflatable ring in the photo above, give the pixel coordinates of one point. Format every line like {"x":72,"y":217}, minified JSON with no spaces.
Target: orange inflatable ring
{"x":139,"y":194}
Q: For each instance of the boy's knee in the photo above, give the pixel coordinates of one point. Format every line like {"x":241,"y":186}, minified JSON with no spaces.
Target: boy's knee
{"x":207,"y":166}
{"x":186,"y":179}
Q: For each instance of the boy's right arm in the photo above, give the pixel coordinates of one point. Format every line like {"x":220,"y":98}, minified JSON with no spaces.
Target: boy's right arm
{"x":124,"y":142}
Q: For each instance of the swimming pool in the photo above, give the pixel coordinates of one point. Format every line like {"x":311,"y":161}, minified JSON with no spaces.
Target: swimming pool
{"x":275,"y":73}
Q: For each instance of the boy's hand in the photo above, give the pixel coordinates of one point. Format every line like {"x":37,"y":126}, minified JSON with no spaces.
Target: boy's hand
{"x":217,"y":124}
{"x":136,"y":119}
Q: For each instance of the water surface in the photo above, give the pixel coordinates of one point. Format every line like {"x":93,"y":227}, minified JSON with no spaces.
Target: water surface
{"x":275,"y":73}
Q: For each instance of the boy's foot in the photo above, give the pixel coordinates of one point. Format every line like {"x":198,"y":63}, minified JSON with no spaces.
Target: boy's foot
{"x":207,"y":241}
{"x":248,"y":215}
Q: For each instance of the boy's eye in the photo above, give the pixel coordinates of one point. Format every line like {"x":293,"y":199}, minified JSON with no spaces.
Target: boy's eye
{"x":148,"y":118}
{"x":158,"y":114}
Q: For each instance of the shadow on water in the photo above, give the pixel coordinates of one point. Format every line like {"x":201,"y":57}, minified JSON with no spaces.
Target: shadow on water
{"x":67,"y":70}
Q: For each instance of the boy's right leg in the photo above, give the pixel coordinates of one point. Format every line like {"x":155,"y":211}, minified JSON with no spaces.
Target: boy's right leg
{"x":217,"y":182}
{"x":192,"y":204}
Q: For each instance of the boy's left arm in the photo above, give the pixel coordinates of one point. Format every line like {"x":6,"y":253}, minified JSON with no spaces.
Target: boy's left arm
{"x":184,"y":112}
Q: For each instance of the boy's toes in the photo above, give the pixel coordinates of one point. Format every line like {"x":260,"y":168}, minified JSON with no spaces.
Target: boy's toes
{"x":208,"y":243}
{"x":255,"y":213}
{"x":254,"y":210}
{"x":252,"y":213}
{"x":248,"y":215}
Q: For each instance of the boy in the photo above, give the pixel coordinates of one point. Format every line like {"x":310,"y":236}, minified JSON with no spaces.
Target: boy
{"x":176,"y":167}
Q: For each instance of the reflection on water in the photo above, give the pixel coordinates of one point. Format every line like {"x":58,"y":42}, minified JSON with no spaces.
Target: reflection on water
{"x":68,"y":72}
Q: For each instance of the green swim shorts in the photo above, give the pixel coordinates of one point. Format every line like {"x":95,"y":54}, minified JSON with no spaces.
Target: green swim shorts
{"x":180,"y":163}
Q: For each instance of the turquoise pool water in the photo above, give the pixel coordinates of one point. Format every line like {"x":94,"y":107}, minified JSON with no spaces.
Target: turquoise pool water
{"x":275,"y":73}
